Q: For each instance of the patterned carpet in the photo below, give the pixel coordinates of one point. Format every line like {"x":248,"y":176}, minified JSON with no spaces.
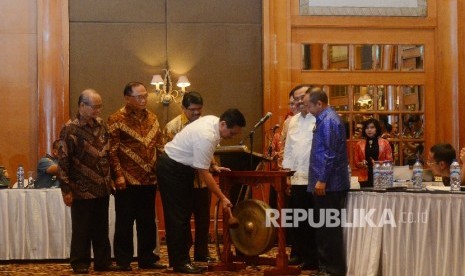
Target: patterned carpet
{"x":62,"y":267}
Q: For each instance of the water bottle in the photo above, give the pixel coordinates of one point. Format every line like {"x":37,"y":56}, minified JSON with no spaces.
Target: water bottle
{"x":384,"y":175}
{"x":455,"y":176}
{"x":30,"y":180}
{"x":417,"y":175}
{"x":20,"y":177}
{"x":349,"y":171}
{"x":389,"y":173}
{"x":377,"y":184}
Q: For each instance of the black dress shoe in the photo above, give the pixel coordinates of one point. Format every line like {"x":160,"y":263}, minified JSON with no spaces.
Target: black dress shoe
{"x":108,"y":268}
{"x":323,"y":273}
{"x":123,"y":268}
{"x":295,"y":261}
{"x":81,"y":270}
{"x":307,"y":266}
{"x":152,"y":266}
{"x":204,"y":259}
{"x":188,"y":269}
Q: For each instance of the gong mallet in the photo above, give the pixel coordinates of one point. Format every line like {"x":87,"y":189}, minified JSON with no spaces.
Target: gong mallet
{"x":233,"y":222}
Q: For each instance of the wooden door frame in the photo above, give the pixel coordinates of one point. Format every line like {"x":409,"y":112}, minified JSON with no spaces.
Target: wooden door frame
{"x":445,"y":69}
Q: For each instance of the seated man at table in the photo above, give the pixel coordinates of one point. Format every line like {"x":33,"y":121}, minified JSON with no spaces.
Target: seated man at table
{"x":47,"y":169}
{"x":4,"y":179}
{"x":440,"y":158}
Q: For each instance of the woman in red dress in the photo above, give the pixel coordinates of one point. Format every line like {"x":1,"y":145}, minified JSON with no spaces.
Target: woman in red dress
{"x":372,"y":148}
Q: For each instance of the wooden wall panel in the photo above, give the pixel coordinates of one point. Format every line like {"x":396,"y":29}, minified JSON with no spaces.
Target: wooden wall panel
{"x":278,"y":44}
{"x":214,"y":11}
{"x":52,"y":71}
{"x":117,"y":11}
{"x":447,"y":78}
{"x":219,"y":51}
{"x":106,"y":56}
{"x":18,"y":76}
{"x":224,"y":80}
{"x":461,"y":69}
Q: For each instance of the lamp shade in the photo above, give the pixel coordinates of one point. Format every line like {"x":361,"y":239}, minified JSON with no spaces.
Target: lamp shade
{"x":364,"y":99}
{"x":183,"y":82}
{"x":156,"y":80}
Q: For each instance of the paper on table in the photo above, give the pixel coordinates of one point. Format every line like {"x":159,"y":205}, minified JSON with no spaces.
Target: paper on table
{"x":438,"y":188}
{"x":354,"y":184}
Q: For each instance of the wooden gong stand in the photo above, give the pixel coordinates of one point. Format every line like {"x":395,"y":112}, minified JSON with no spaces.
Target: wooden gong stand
{"x":232,"y":262}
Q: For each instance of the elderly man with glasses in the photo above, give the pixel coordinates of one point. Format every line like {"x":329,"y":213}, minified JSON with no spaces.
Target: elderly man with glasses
{"x":135,"y":142}
{"x":84,"y":174}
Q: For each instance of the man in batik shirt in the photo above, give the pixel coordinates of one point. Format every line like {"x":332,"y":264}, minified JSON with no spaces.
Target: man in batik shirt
{"x":84,"y":174}
{"x":136,"y":141}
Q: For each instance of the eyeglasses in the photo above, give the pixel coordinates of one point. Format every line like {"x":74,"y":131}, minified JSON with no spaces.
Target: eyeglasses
{"x":430,"y":163}
{"x":300,"y":98}
{"x":140,"y":97}
{"x":94,"y":107}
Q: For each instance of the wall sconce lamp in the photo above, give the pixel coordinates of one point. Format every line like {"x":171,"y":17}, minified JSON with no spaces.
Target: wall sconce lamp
{"x":167,"y":93}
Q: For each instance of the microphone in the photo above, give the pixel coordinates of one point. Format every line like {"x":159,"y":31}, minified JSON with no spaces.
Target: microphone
{"x":259,"y":123}
{"x":262,"y":120}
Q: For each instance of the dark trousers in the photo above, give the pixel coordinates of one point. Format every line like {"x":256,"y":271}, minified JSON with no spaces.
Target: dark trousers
{"x":330,"y":239}
{"x":273,"y":202}
{"x":90,"y":227}
{"x":176,"y":188}
{"x":135,"y":203}
{"x":201,"y":211}
{"x":303,"y":237}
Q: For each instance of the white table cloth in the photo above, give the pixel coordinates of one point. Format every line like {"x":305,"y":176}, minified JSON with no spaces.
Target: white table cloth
{"x":36,"y":224}
{"x":428,"y":237}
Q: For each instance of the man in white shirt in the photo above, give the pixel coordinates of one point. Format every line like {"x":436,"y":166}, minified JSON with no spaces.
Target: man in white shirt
{"x":192,"y":104}
{"x":296,"y":158}
{"x":191,"y":149}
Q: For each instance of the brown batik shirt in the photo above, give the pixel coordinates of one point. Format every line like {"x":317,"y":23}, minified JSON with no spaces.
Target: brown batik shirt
{"x":135,"y":140}
{"x":83,"y":159}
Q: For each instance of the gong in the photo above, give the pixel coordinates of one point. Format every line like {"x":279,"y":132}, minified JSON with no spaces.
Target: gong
{"x":252,"y":237}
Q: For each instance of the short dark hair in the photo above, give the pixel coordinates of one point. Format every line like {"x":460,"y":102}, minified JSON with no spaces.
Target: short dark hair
{"x":128,"y":88}
{"x":318,"y":94}
{"x":368,"y":122}
{"x":56,"y":144}
{"x":291,"y":94}
{"x":443,"y":152}
{"x":191,"y":97}
{"x":233,"y":117}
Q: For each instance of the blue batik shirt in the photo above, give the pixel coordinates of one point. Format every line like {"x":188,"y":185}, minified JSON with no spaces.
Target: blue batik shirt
{"x":328,"y":157}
